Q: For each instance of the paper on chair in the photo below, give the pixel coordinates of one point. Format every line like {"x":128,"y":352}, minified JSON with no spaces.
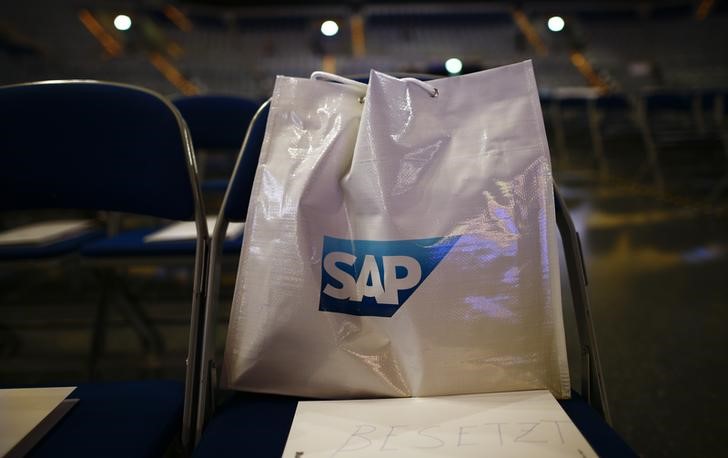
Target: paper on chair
{"x":515,"y":424}
{"x":43,"y":232}
{"x":186,"y":230}
{"x":22,"y":409}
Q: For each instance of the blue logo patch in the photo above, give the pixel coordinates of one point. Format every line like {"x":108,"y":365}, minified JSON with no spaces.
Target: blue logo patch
{"x":374,"y":278}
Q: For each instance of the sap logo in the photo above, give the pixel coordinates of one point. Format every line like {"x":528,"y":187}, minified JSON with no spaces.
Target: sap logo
{"x":369,"y":282}
{"x":375,"y":278}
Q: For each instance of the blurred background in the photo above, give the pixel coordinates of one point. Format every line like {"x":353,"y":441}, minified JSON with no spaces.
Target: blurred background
{"x":634,"y":99}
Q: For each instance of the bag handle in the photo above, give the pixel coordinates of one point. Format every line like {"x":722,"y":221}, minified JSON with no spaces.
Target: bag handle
{"x":326,"y":76}
{"x":426,"y":87}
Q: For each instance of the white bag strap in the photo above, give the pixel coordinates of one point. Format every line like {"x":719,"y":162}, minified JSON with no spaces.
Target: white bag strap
{"x":326,"y":76}
{"x":427,"y":87}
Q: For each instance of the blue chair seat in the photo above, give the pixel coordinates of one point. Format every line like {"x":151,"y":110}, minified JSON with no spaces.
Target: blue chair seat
{"x":119,"y":419}
{"x":249,"y":424}
{"x":669,"y":101}
{"x":613,"y":102}
{"x":48,"y":250}
{"x":252,"y":424}
{"x":131,"y":244}
{"x":232,"y":246}
{"x":603,"y":439}
{"x":215,"y":186}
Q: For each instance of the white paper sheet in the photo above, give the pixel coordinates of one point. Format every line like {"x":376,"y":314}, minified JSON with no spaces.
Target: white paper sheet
{"x":186,"y":230}
{"x":22,"y":409}
{"x":515,"y":424}
{"x":43,"y":232}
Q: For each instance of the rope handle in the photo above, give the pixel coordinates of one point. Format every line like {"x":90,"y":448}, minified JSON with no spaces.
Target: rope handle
{"x":426,"y":87}
{"x":326,"y":76}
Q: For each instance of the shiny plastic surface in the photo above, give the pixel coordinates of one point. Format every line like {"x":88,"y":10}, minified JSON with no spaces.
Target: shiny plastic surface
{"x":457,"y":181}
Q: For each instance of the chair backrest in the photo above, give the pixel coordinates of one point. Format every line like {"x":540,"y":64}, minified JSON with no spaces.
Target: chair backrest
{"x":667,"y":100}
{"x":613,"y":102}
{"x":216,"y":121}
{"x":235,"y":204}
{"x":98,"y":146}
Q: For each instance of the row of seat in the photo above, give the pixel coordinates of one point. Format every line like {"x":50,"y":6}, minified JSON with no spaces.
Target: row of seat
{"x":692,"y":122}
{"x":113,"y":147}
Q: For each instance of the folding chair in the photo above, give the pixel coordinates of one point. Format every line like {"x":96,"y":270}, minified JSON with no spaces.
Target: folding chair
{"x":112,"y":147}
{"x":676,"y":141}
{"x":217,"y":123}
{"x":653,"y":107}
{"x":712,"y":119}
{"x":577,"y":110}
{"x":615,"y":129}
{"x":257,"y":424}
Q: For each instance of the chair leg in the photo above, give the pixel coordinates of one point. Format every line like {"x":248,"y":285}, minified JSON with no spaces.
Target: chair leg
{"x":598,"y":142}
{"x":718,"y":189}
{"x":722,"y":185}
{"x":132,"y":312}
{"x":560,"y":135}
{"x":9,"y":342}
{"x":150,"y":337}
{"x":653,"y":163}
{"x":98,"y":337}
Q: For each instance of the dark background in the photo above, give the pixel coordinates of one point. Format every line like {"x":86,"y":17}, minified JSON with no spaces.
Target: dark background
{"x":657,"y":256}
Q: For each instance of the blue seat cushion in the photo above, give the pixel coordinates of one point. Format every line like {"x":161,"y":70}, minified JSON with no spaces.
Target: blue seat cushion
{"x":119,"y":419}
{"x":48,"y":250}
{"x":215,"y":186}
{"x":131,"y":243}
{"x":257,"y":425}
{"x":604,"y":440}
{"x":249,"y":424}
{"x":232,"y":246}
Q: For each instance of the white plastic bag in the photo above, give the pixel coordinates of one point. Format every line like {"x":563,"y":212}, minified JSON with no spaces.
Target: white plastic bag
{"x":420,"y":262}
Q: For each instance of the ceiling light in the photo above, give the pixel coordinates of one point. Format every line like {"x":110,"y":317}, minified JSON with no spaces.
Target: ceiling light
{"x":329,"y":28}
{"x":556,"y":23}
{"x":122,"y":22}
{"x":453,"y":65}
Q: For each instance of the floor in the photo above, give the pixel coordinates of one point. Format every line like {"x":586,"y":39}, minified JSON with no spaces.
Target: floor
{"x":657,"y":263}
{"x":657,"y":279}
